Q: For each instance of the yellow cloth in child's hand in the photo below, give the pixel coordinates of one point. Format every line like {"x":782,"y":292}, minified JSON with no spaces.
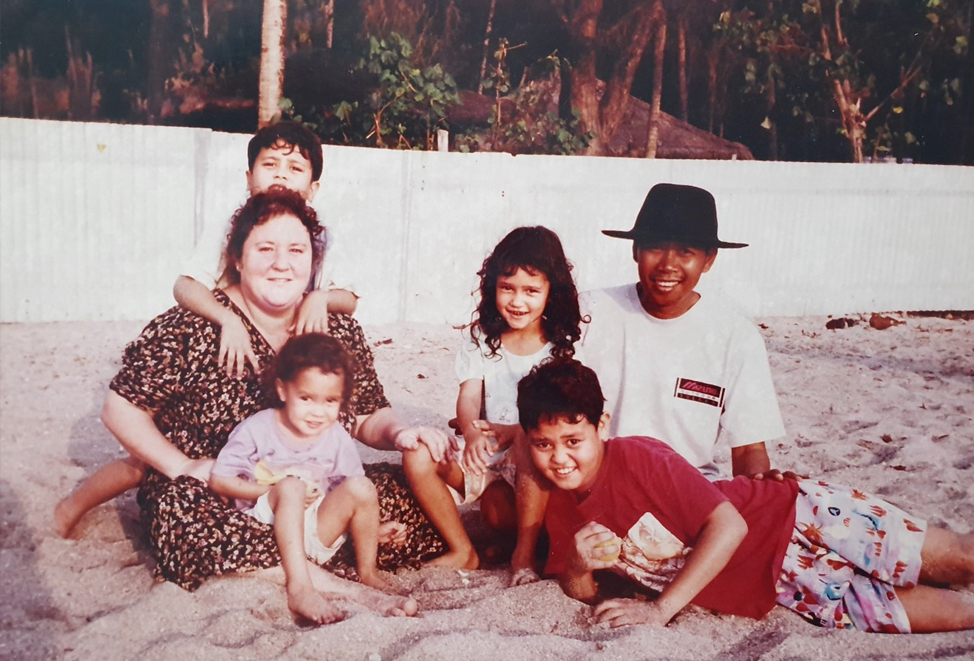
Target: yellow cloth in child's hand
{"x":264,"y":474}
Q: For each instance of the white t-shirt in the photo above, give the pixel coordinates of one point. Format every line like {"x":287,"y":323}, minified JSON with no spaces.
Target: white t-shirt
{"x":205,"y":263}
{"x":690,"y":382}
{"x":500,"y":374}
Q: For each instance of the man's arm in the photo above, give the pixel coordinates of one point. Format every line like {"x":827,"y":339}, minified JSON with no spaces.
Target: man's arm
{"x":752,"y":461}
{"x":235,"y":346}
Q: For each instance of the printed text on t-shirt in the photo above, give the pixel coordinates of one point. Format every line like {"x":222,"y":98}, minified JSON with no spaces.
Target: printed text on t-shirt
{"x":698,"y":391}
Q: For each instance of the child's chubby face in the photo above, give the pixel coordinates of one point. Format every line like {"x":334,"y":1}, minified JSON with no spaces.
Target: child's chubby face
{"x":521,"y":298}
{"x":569,"y":453}
{"x":668,"y":274}
{"x":312,"y":402}
{"x":282,"y":165}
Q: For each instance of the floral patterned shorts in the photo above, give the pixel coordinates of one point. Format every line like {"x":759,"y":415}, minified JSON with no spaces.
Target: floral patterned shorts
{"x":848,"y":551}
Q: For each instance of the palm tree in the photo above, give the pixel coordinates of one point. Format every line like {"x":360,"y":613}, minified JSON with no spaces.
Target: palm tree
{"x":272,"y":34}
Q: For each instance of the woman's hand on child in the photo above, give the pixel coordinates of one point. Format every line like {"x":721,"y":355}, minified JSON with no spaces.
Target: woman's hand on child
{"x":392,"y":532}
{"x":440,"y":445}
{"x":480,"y":444}
{"x":313,"y":313}
{"x":626,"y":612}
{"x":596,"y":547}
{"x":235,"y":349}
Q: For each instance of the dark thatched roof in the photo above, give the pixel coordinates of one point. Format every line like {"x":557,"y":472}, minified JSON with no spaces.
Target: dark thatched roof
{"x":677,"y":139}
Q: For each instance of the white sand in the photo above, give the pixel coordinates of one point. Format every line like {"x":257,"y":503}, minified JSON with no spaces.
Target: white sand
{"x":890,"y":411}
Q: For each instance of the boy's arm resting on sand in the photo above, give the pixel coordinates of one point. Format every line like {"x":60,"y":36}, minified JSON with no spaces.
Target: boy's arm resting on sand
{"x":233,"y":486}
{"x":753,"y":461}
{"x":383,"y":430}
{"x":137,"y":432}
{"x":722,"y":532}
{"x":235,"y":346}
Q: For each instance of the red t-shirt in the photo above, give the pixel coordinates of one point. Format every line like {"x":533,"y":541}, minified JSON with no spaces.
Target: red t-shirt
{"x":654,"y":500}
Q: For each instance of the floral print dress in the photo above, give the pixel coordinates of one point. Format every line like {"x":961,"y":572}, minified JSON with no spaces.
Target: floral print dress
{"x":171,"y":370}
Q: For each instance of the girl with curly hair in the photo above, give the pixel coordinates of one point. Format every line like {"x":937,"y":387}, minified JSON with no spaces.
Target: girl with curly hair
{"x":528,"y":312}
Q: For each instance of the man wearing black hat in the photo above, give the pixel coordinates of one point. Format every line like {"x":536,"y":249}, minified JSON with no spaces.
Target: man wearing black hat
{"x":674,"y":365}
{"x":681,"y":367}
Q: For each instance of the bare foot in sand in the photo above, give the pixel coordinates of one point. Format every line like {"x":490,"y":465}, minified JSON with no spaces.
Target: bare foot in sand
{"x":312,"y":605}
{"x":66,"y":517}
{"x":374,"y":580}
{"x":385,"y":604}
{"x":457,"y":560}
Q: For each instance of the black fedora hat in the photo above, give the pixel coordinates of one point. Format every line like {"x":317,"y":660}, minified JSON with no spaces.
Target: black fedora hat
{"x":672,"y":212}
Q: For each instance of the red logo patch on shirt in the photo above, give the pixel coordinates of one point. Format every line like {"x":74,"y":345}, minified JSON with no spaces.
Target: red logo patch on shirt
{"x":698,"y":391}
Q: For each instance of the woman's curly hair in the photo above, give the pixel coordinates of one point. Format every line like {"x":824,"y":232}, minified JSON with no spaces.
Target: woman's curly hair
{"x":258,"y":210}
{"x":536,"y":250}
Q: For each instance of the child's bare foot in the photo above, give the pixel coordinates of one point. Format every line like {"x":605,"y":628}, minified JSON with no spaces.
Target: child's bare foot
{"x":389,"y":605}
{"x":312,"y":605}
{"x":457,"y":560}
{"x":65,"y":517}
{"x":374,"y":580}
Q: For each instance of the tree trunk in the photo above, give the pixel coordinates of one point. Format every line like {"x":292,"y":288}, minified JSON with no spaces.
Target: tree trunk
{"x":329,"y":23}
{"x":682,"y":42}
{"x":584,"y":27}
{"x":712,"y":57}
{"x":158,"y":70}
{"x":652,"y":135}
{"x":772,"y":100}
{"x":632,"y":33}
{"x":272,"y":35}
{"x":853,"y":121}
{"x":487,"y":31}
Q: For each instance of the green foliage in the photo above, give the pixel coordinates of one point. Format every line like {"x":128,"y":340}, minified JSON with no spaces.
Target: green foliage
{"x":890,"y":56}
{"x":402,"y":109}
{"x":527,"y":121}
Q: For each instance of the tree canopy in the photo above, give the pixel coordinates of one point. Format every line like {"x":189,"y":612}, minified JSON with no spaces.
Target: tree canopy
{"x":815,"y":80}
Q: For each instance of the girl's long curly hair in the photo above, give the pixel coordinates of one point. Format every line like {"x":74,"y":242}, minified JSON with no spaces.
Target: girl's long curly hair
{"x":536,"y":250}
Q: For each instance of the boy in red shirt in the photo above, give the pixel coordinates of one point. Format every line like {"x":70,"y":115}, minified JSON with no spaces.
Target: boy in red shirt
{"x":837,"y":556}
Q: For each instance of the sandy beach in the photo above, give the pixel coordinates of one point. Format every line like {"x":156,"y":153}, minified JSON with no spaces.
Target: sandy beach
{"x":890,"y":411}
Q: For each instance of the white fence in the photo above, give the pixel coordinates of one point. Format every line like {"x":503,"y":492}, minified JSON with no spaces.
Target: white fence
{"x":96,"y":220}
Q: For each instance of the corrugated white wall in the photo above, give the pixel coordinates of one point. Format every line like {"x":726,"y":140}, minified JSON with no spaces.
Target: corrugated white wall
{"x":97,"y":219}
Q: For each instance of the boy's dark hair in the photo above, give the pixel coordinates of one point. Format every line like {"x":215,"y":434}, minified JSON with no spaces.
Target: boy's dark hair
{"x":559,"y":388}
{"x":536,"y":250}
{"x":303,"y":352}
{"x":258,"y":210}
{"x":287,"y":134}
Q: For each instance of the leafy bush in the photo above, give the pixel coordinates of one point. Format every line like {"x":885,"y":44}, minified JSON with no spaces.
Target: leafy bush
{"x":402,"y":110}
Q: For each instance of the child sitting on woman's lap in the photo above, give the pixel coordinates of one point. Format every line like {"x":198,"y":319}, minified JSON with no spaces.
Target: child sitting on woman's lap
{"x":296,"y":468}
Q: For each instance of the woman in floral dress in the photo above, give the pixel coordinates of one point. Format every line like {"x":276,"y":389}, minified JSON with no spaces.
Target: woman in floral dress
{"x":172,"y":406}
